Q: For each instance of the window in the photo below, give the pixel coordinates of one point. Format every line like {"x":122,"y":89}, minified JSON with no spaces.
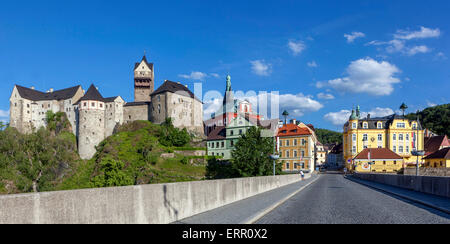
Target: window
{"x":303,"y":142}
{"x":400,"y":149}
{"x":365,"y":147}
{"x":287,"y":154}
{"x":295,"y":154}
{"x":303,"y":153}
{"x":407,"y":136}
{"x":407,"y":149}
{"x":380,"y":137}
{"x":394,"y":149}
{"x":384,"y":162}
{"x":365,"y":137}
{"x":414,"y":126}
{"x":353,"y":137}
{"x":217,"y":144}
{"x":400,"y":125}
{"x":281,"y":143}
{"x":93,"y":104}
{"x":240,"y":132}
{"x":231,"y":132}
{"x":379,"y":125}
{"x":287,"y":166}
{"x":287,"y":143}
{"x":365,"y":125}
{"x":394,"y":137}
{"x":222,"y":144}
{"x":400,"y":137}
{"x":295,"y":142}
{"x":353,"y":125}
{"x":353,"y":149}
{"x":232,"y":143}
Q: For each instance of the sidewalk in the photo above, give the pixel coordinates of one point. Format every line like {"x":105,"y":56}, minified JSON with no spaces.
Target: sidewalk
{"x":436,"y":202}
{"x":251,"y":209}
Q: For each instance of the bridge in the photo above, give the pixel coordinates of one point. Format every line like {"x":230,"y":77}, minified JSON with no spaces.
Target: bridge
{"x":328,"y":198}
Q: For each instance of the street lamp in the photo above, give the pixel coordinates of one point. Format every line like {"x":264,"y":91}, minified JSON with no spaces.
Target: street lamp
{"x":274,"y":157}
{"x":417,"y":152}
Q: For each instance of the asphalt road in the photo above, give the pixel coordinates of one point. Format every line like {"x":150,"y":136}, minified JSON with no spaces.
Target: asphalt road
{"x":333,"y":199}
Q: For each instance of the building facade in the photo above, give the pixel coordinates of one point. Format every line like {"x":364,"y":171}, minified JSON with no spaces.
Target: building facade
{"x":378,"y":160}
{"x":394,"y":132}
{"x":296,"y":148}
{"x":438,"y":159}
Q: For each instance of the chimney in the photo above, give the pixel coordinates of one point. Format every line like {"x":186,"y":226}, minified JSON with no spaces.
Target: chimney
{"x":368,"y":116}
{"x":293,"y":121}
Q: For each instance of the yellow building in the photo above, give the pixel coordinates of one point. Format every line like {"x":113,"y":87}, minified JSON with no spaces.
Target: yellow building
{"x":377,"y":160}
{"x":296,"y":148}
{"x":438,"y":159}
{"x":394,"y":132}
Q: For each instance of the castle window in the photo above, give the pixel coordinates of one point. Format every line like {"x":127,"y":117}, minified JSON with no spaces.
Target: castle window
{"x":365,"y":137}
{"x":400,"y":149}
{"x":380,"y":137}
{"x":379,"y":125}
{"x":364,"y":125}
{"x":400,"y":137}
{"x":400,"y":125}
{"x":394,"y":137}
{"x":353,"y":125}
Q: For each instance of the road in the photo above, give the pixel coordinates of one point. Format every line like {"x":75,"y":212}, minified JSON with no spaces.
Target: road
{"x":333,"y":199}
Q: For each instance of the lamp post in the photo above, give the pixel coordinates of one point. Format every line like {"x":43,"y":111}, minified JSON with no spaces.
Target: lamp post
{"x":417,"y":152}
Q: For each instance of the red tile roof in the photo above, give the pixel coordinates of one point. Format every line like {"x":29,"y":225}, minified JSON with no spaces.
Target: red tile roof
{"x":378,"y":153}
{"x":292,"y":130}
{"x":443,"y":153}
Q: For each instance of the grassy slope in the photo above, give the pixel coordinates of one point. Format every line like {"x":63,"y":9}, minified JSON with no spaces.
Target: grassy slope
{"x":137,"y":145}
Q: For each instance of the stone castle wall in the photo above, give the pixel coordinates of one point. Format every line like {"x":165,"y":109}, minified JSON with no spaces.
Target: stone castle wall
{"x":91,"y":129}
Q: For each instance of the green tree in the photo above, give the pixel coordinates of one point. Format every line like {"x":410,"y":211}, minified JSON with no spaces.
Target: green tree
{"x":250,"y":156}
{"x":171,"y":136}
{"x":112,"y":174}
{"x":436,"y":119}
{"x":328,"y":136}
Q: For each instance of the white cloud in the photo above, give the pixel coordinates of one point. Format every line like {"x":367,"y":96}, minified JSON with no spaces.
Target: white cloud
{"x":351,"y":37}
{"x":195,"y":75}
{"x":214,"y":75}
{"x":4,"y":113}
{"x":341,"y":117}
{"x":417,"y":49}
{"x":338,"y":118}
{"x":326,"y":96}
{"x":366,"y":76}
{"x":312,"y":64}
{"x":421,"y":34}
{"x":398,"y":44}
{"x":441,"y":55}
{"x":430,"y":104}
{"x":296,"y":46}
{"x":260,"y":67}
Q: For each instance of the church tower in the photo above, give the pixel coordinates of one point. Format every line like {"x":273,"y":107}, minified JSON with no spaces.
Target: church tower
{"x":144,"y":82}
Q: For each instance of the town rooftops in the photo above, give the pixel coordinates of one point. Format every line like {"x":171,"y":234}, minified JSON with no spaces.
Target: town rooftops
{"x":377,"y":153}
{"x":35,"y":95}
{"x":217,"y":134}
{"x":292,"y":130}
{"x":433,"y":144}
{"x":443,"y":153}
{"x":174,"y":87}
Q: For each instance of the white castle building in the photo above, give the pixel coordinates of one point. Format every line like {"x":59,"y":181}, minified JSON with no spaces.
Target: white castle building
{"x":93,"y":117}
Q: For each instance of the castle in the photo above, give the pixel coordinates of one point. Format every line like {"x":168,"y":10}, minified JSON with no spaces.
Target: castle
{"x":94,"y":117}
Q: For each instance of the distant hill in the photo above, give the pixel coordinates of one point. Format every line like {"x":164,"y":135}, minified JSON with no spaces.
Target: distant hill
{"x":328,"y":136}
{"x":436,"y":119}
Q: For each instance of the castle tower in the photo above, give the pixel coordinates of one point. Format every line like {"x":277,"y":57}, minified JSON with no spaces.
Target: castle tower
{"x":91,"y":131}
{"x":144,"y":82}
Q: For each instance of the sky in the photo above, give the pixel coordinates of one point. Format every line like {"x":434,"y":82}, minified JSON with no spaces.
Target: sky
{"x":321,"y":57}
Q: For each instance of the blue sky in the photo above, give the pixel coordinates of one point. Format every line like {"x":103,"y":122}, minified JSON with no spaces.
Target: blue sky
{"x":322,"y":56}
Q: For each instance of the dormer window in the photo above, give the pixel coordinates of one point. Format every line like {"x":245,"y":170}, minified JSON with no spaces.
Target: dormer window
{"x":353,"y":125}
{"x":365,"y":125}
{"x":379,"y":125}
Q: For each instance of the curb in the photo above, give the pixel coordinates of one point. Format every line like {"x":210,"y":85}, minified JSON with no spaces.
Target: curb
{"x":252,"y":220}
{"x":447,"y":211}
